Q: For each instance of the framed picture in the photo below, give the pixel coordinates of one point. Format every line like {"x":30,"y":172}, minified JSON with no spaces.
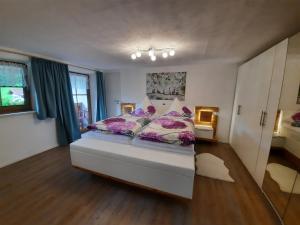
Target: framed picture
{"x":166,"y":86}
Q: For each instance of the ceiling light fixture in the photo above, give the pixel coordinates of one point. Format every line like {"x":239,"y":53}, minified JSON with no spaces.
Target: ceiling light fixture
{"x":133,"y":56}
{"x":164,"y":52}
{"x":151,"y":52}
{"x":172,"y":52}
{"x":138,"y":54}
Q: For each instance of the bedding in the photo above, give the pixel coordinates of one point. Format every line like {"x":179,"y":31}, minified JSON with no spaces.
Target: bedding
{"x":128,"y":124}
{"x":172,"y":129}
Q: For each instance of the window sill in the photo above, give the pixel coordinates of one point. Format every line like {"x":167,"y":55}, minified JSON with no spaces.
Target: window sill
{"x":17,"y":113}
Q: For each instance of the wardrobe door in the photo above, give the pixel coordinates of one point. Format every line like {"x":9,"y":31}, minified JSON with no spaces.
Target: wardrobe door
{"x":235,"y":140}
{"x":272,"y":108}
{"x":252,"y":102}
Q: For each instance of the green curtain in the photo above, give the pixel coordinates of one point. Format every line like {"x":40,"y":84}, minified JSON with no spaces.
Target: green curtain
{"x":54,"y":98}
{"x":101,"y":102}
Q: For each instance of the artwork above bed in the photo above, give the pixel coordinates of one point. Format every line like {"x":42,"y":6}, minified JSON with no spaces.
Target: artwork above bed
{"x":166,"y":85}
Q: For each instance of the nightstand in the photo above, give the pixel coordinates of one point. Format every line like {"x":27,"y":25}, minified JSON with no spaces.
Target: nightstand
{"x":203,"y":132}
{"x":206,"y":121}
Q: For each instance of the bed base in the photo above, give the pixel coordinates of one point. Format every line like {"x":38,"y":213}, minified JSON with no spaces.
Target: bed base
{"x":163,"y":172}
{"x":134,"y":185}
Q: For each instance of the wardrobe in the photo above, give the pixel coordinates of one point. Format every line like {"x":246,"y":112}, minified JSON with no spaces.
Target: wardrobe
{"x":256,"y":101}
{"x":263,"y":133}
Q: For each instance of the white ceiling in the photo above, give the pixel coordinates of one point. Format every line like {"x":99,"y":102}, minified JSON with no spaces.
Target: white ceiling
{"x":103,"y":33}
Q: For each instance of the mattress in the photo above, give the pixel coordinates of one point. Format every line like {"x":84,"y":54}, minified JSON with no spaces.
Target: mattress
{"x":117,"y":138}
{"x":160,"y":170}
{"x":187,"y":150}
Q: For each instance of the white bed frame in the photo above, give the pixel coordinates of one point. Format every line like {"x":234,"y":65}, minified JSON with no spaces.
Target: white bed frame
{"x":166,"y":172}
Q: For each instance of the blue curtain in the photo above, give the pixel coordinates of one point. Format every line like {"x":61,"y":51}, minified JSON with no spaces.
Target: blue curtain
{"x":54,"y":98}
{"x":101,"y":102}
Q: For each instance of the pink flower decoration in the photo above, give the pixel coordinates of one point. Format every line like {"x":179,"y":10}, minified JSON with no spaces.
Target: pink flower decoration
{"x":151,"y":109}
{"x":296,"y":116}
{"x":120,"y":127}
{"x":173,"y":113}
{"x":170,"y":124}
{"x":151,"y":136}
{"x":186,"y":138}
{"x":112,"y":120}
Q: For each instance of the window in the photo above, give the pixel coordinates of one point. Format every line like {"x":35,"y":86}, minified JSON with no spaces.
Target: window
{"x":81,"y":96}
{"x":14,"y":89}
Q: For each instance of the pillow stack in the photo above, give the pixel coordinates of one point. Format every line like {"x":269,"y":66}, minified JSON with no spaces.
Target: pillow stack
{"x":178,"y":109}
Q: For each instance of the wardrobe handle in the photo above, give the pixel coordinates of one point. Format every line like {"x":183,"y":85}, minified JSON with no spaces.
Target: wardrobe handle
{"x":239,"y":110}
{"x":261,"y":118}
{"x":263,"y":123}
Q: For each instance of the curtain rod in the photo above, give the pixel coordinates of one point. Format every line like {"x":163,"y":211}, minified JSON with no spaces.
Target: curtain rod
{"x":12,"y":51}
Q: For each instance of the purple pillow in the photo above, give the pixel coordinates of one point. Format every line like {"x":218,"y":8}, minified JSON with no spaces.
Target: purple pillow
{"x":186,"y":110}
{"x":138,"y":112}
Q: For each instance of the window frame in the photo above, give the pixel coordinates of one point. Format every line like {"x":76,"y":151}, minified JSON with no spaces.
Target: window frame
{"x":88,"y":94}
{"x":27,"y":94}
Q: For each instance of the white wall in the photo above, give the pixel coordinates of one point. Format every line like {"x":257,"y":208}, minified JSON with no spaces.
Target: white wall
{"x":208,"y":84}
{"x":22,"y":135}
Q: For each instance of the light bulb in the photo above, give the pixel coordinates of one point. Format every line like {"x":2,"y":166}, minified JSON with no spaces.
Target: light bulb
{"x":172,"y":52}
{"x":165,"y":55}
{"x":133,"y":56}
{"x":138,"y":54}
{"x":151,"y":52}
{"x":153,"y":57}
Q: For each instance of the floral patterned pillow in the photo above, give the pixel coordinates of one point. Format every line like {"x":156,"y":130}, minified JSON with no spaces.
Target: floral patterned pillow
{"x":141,"y":113}
{"x":186,"y":112}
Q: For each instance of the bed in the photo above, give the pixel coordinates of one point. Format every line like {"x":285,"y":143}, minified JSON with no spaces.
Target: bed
{"x":157,"y":155}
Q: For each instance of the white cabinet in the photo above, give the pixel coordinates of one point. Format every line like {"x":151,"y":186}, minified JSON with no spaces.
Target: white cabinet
{"x":204,"y":132}
{"x":256,"y":101}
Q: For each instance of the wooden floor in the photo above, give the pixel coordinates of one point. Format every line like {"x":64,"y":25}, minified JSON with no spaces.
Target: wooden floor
{"x":46,"y":190}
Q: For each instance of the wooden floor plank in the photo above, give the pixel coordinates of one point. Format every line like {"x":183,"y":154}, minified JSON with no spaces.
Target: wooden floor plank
{"x":46,"y":189}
